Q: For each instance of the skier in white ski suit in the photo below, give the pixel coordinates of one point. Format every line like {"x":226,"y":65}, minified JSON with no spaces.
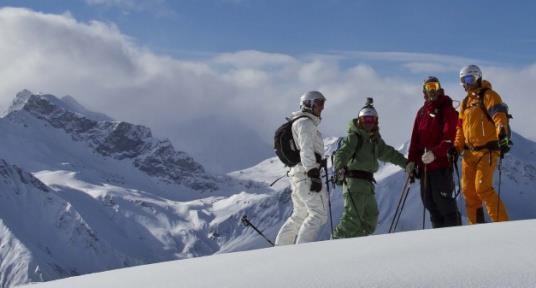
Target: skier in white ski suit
{"x":309,"y":198}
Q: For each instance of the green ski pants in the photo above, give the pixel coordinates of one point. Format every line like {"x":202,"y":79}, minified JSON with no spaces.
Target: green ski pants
{"x":360,"y":215}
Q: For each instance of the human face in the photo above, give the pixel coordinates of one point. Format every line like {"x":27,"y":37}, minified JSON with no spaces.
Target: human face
{"x":431,"y":90}
{"x":318,"y":106}
{"x":368,"y":122}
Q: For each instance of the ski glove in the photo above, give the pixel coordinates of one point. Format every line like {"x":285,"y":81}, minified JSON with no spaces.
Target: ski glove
{"x":410,"y":170}
{"x":316,"y":183}
{"x":452,"y":154}
{"x":504,"y":142}
{"x":428,"y":157}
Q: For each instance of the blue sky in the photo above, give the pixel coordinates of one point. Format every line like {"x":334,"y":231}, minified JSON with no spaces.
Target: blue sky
{"x":244,"y":63}
{"x":491,"y":30}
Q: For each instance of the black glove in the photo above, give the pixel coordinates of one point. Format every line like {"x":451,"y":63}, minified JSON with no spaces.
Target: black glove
{"x":316,"y":183}
{"x":504,"y":142}
{"x":452,"y":154}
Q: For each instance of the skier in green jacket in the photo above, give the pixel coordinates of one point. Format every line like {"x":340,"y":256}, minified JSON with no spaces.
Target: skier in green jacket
{"x":355,"y":162}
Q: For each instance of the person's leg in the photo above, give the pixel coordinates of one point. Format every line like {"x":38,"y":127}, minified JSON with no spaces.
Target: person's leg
{"x":484,"y":187}
{"x":427,"y":197}
{"x":472,"y":201}
{"x":289,"y":231}
{"x":351,"y":224}
{"x":442,"y":186}
{"x":316,"y":204}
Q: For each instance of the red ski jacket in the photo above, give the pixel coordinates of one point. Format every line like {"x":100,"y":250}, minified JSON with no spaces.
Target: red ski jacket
{"x":434,"y":130}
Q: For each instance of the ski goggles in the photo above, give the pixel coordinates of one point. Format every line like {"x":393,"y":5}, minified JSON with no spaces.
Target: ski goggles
{"x":468,"y":80}
{"x":368,"y":119}
{"x":431,"y":86}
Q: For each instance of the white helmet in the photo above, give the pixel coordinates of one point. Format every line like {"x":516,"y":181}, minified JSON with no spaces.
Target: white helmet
{"x":307,"y":100}
{"x":368,"y":109}
{"x":470,"y":70}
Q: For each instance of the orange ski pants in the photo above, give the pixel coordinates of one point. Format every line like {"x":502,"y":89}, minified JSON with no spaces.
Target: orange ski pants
{"x":477,"y":185}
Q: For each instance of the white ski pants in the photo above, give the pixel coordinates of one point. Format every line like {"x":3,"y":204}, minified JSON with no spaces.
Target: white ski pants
{"x":309,"y":214}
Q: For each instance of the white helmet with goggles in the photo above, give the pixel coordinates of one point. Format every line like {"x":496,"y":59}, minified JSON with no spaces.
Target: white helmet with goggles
{"x":470,"y":75}
{"x":308,"y":99}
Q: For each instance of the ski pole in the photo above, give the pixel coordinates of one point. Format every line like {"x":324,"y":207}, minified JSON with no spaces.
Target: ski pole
{"x":325,"y":165}
{"x":275,"y":181}
{"x":398,"y":211}
{"x":499,"y":192}
{"x":402,"y":207}
{"x":459,"y":189}
{"x":247,"y":223}
{"x":425,"y":186}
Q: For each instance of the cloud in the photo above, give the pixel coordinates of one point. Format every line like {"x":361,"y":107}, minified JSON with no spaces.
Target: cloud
{"x":109,"y":72}
{"x":158,"y":7}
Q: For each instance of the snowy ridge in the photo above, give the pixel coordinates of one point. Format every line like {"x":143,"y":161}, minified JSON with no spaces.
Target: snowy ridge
{"x":56,"y":243}
{"x":115,"y":139}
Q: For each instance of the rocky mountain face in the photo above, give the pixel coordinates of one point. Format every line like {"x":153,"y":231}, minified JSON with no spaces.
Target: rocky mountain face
{"x":116,"y":139}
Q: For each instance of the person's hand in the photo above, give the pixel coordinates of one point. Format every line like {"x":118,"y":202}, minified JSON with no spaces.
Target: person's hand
{"x":452,"y":153}
{"x":428,"y":157}
{"x":316,"y":183}
{"x":504,"y":143}
{"x":410,"y":171}
{"x":410,"y":168}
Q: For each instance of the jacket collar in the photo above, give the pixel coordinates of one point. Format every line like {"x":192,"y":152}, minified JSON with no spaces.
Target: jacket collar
{"x":316,"y":119}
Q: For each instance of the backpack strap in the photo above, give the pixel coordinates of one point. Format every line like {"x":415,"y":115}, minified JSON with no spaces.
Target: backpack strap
{"x":359,"y":142}
{"x":481,"y":96}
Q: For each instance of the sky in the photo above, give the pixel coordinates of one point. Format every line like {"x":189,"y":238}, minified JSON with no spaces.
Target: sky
{"x":241,"y":65}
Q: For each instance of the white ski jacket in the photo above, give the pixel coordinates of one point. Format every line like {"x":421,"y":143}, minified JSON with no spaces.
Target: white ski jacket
{"x":308,"y":139}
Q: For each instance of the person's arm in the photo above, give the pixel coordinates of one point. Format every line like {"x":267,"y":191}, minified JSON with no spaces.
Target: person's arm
{"x":497,"y":110}
{"x":387,"y":153}
{"x":348,"y":148}
{"x":305,"y":132}
{"x":459,"y":139}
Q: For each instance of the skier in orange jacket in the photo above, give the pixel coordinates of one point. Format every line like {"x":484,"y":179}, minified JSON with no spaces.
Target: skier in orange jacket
{"x":481,"y":134}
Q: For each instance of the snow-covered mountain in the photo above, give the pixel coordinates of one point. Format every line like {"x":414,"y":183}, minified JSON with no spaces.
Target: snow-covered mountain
{"x":38,"y":229}
{"x":141,"y":201}
{"x":136,"y":197}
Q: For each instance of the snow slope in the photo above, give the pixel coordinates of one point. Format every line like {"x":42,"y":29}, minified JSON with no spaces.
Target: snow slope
{"x":145,"y":202}
{"x":142,"y":200}
{"x":487,"y":255}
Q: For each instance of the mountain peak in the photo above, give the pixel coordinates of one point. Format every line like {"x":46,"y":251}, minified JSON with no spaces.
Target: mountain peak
{"x":45,"y":104}
{"x":116,"y":139}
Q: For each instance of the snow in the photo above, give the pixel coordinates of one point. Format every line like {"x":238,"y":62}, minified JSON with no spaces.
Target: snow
{"x":487,"y":255}
{"x":139,"y":219}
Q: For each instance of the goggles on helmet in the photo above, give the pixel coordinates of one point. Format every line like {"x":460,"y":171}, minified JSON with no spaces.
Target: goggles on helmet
{"x":368,"y":119}
{"x":431,"y":86}
{"x":468,"y":80}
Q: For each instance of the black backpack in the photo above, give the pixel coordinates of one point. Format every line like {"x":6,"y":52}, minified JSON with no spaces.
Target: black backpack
{"x":284,"y":146}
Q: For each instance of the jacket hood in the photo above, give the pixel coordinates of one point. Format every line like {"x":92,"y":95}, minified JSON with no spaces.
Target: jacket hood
{"x":316,"y":119}
{"x":486,"y":84}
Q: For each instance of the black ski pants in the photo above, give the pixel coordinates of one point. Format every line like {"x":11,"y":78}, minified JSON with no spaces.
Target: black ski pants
{"x":437,"y":192}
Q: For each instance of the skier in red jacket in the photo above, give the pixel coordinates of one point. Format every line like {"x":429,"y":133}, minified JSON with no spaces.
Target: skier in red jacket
{"x":433,"y":134}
